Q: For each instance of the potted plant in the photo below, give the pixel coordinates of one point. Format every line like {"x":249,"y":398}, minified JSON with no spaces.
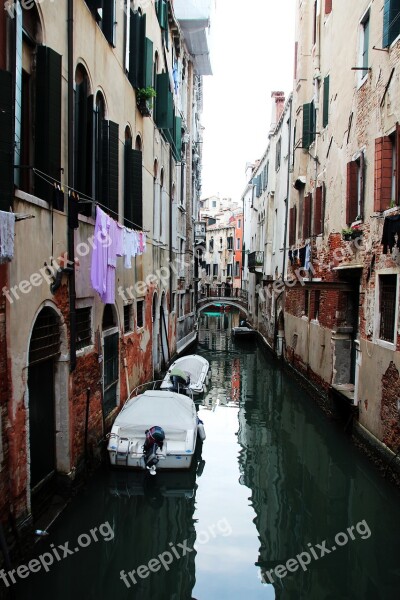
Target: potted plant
{"x":351,"y":233}
{"x":144,"y":100}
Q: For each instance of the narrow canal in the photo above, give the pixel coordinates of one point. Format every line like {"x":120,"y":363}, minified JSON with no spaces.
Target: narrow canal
{"x":279,"y":505}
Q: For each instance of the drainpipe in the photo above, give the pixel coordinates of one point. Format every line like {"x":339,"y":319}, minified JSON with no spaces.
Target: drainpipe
{"x":71,"y":241}
{"x":286,"y":219}
{"x":170,"y":230}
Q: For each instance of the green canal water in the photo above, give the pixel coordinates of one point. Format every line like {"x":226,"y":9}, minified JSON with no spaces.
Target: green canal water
{"x":279,"y":504}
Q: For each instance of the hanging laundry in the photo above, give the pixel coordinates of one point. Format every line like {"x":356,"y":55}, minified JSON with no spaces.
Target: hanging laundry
{"x":391,"y":227}
{"x":142,"y":242}
{"x":114,"y":247}
{"x":7,"y":229}
{"x":58,"y":198}
{"x":73,"y":210}
{"x":98,"y":271}
{"x":131,"y":247}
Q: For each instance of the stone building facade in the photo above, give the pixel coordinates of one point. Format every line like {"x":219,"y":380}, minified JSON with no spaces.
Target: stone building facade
{"x":74,"y":76}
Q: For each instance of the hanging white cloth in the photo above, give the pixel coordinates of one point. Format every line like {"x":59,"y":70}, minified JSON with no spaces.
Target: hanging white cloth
{"x":7,"y":230}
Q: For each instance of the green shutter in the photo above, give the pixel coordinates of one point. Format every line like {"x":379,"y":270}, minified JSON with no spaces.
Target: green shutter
{"x":164,"y":103}
{"x":108,"y":21}
{"x":136,"y":73}
{"x":148,"y":63}
{"x":133,"y":197}
{"x":308,"y":125}
{"x":48,"y":119}
{"x":177,"y":139}
{"x":110,"y":166}
{"x":325,"y":113}
{"x":6,"y":141}
{"x":162,"y":13}
{"x":391,"y":21}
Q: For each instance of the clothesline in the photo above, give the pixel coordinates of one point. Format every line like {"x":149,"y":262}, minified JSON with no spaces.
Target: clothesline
{"x":52,"y":180}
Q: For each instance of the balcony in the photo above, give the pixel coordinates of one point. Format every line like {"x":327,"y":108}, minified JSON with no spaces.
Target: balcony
{"x":255,"y":261}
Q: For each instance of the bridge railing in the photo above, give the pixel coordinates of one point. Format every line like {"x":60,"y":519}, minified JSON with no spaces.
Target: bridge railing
{"x":224,"y":292}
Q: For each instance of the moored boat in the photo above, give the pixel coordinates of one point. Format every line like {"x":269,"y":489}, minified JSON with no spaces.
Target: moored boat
{"x":155,"y":430}
{"x":190,"y":372}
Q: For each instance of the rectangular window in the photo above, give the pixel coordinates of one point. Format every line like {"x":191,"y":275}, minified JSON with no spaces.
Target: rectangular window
{"x":307,"y":216}
{"x":211,"y":245}
{"x":237,"y":243}
{"x":308,"y":124}
{"x":315,"y":23}
{"x":239,"y":224}
{"x":318,"y":211}
{"x":387,"y":307}
{"x":364,"y":45}
{"x":83,"y":327}
{"x":355,"y":189}
{"x":317,"y":299}
{"x":215,"y":270}
{"x":237,"y":269}
{"x":278,"y":154}
{"x":230,"y":243}
{"x":328,"y":7}
{"x":292,"y":226}
{"x":229,"y":270}
{"x":208,"y":269}
{"x":128,"y":318}
{"x":391,"y":22}
{"x":140,"y":313}
{"x":325,"y":112}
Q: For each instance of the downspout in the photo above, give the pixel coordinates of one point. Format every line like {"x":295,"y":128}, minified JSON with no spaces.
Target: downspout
{"x":170,"y":230}
{"x":70,"y":234}
{"x":286,"y":218}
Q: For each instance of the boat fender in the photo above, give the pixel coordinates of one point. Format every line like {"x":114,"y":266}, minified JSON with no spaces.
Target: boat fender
{"x":200,"y":430}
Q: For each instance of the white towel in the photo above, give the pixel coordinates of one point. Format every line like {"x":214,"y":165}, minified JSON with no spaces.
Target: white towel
{"x":7,"y":226}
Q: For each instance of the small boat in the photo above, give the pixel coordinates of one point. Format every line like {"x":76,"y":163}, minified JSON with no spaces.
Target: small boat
{"x":156,"y":429}
{"x":188,"y":373}
{"x":243,"y":331}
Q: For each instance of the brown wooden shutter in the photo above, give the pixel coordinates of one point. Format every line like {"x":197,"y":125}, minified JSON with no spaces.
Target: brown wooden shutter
{"x":362,"y":180}
{"x":328,"y":7}
{"x":292,"y":226}
{"x":318,"y":225}
{"x":383,"y":173}
{"x":352,"y":192}
{"x":307,"y":216}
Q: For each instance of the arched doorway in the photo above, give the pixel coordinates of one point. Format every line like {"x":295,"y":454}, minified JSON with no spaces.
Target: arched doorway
{"x":110,"y":359}
{"x":44,"y":351}
{"x":156,"y":330}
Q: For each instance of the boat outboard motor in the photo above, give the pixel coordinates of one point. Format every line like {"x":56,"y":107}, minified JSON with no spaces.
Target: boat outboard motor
{"x":155,"y":437}
{"x":179,"y":379}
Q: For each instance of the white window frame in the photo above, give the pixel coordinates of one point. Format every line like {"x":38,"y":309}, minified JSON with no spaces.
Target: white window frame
{"x":140,"y":327}
{"x":377,"y":321}
{"x":366,"y":17}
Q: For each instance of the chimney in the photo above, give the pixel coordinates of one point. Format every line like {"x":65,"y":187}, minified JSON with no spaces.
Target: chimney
{"x":277,"y":108}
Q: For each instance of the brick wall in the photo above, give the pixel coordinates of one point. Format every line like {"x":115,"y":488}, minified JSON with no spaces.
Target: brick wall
{"x":389,"y":410}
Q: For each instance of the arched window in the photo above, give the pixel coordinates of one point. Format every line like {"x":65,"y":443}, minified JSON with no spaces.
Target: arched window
{"x":37,"y":105}
{"x":83,"y":145}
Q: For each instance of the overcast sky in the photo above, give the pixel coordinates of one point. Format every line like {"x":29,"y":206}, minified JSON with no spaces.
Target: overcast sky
{"x":252,"y":55}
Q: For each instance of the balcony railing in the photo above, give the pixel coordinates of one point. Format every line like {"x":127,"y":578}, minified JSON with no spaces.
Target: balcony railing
{"x":255,"y":260}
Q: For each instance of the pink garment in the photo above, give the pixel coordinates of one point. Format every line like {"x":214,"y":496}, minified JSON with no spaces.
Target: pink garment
{"x":142,"y":242}
{"x":98,"y":271}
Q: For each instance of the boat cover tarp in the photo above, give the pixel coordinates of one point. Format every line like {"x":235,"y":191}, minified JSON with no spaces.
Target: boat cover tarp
{"x":173,"y":412}
{"x":196,"y":366}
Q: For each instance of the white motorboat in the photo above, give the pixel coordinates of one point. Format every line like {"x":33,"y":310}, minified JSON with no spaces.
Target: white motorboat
{"x":190,"y":372}
{"x":156,"y":429}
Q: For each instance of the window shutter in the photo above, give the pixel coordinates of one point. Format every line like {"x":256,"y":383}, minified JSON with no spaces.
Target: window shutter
{"x":81,"y":131}
{"x":352,"y":192}
{"x":308,"y":124}
{"x":47,"y":119}
{"x":318,"y":225}
{"x":110,"y":166}
{"x":6,"y":141}
{"x":328,"y":7}
{"x":137,"y":49}
{"x":164,"y":103}
{"x":177,"y":138}
{"x":307,"y":216}
{"x":383,"y":173}
{"x":362,"y":179}
{"x":292,"y":226}
{"x":133,"y":210}
{"x":325,"y":113}
{"x":148,"y":60}
{"x":108,"y":21}
{"x":162,"y":13}
{"x":391,"y":22}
